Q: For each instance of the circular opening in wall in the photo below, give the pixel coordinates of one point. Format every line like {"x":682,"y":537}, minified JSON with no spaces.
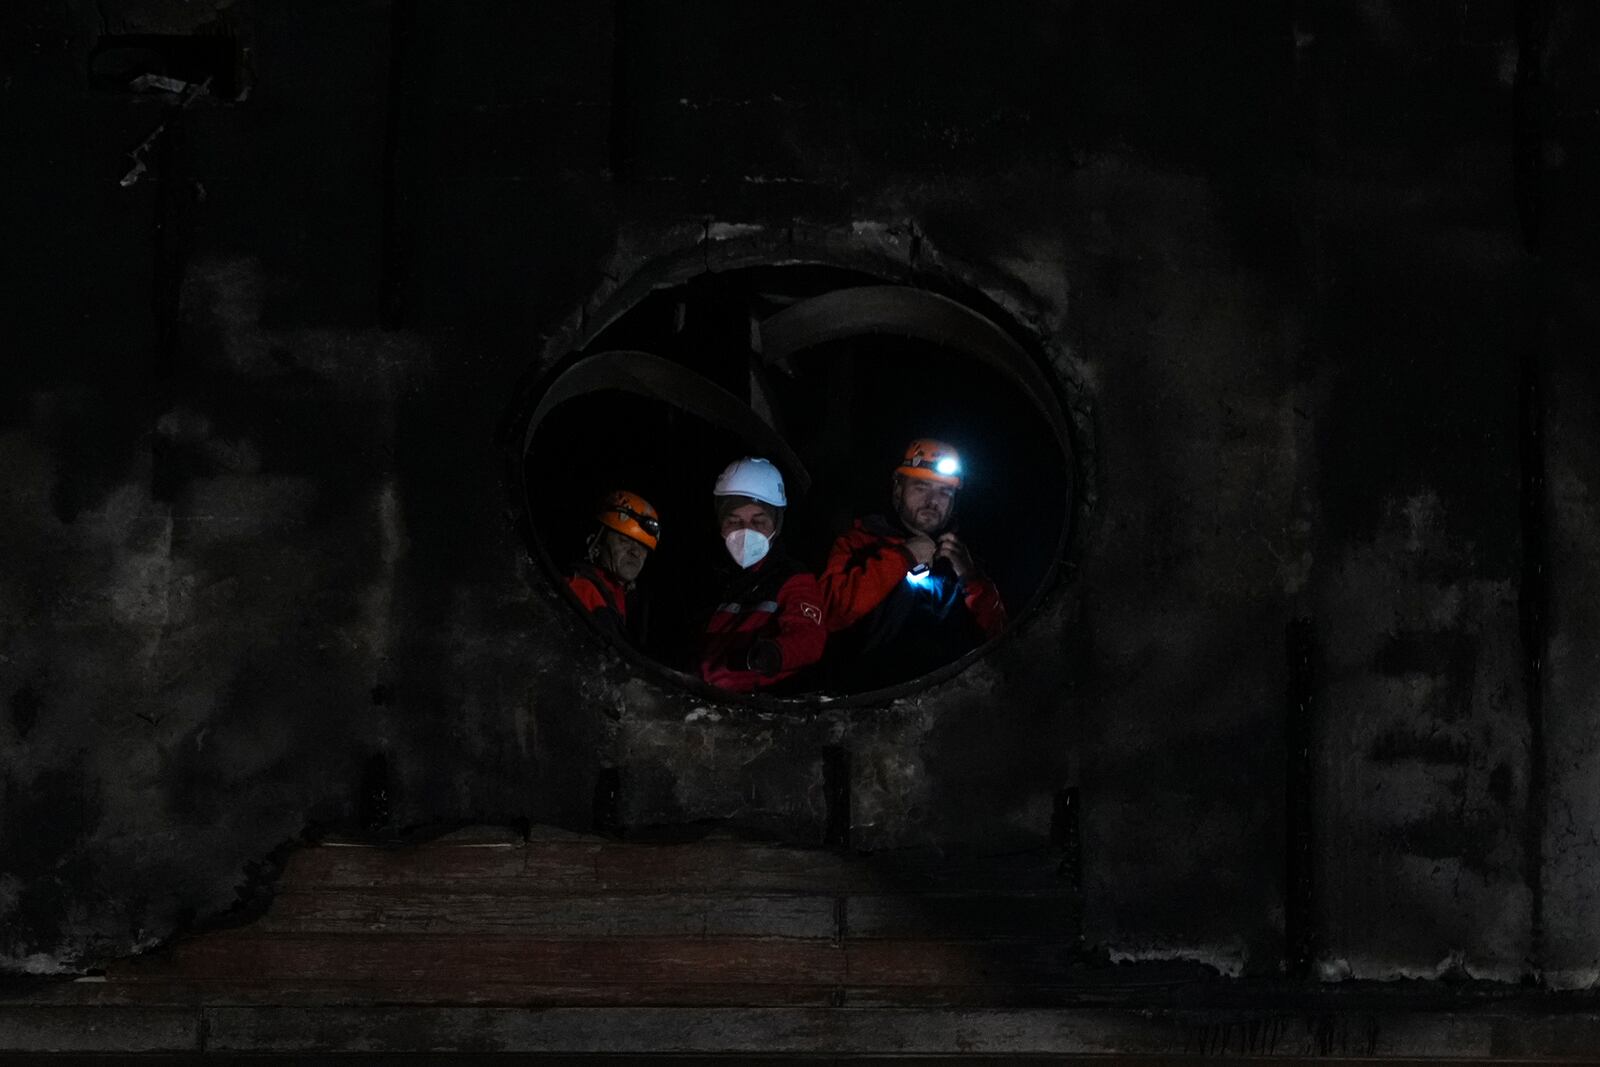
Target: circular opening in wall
{"x":883,"y":568}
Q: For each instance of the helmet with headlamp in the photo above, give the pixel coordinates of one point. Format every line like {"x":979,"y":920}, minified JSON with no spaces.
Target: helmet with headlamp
{"x":631,"y":516}
{"x":932,"y":461}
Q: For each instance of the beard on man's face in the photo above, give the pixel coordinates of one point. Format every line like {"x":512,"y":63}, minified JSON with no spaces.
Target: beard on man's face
{"x":928,"y":517}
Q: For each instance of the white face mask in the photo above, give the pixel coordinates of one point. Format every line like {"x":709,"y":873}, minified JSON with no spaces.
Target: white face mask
{"x":747,"y":547}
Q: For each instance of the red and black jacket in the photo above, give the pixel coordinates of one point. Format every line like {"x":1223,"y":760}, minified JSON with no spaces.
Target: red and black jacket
{"x":774,"y":604}
{"x":890,"y":629}
{"x":603,"y":596}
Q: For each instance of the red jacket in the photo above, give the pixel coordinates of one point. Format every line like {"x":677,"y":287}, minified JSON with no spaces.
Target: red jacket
{"x":890,"y":629}
{"x":871,"y":560}
{"x":773,"y":603}
{"x":602,"y":595}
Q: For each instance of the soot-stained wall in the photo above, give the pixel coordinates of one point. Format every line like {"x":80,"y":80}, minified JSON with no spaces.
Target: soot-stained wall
{"x":1315,"y":287}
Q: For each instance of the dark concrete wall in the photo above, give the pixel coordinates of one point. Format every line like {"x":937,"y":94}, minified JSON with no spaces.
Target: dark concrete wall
{"x":1314,"y":285}
{"x":1569,"y":422}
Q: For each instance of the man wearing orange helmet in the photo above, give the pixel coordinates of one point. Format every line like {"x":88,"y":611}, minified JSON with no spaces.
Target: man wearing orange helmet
{"x":629,"y":531}
{"x":902,"y":592}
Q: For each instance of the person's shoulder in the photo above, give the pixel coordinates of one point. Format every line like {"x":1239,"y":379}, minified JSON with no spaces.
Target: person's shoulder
{"x":780,"y":565}
{"x":587,"y":588}
{"x":791,"y":579}
{"x":866,"y":529}
{"x":879,"y":526}
{"x":780,"y":569}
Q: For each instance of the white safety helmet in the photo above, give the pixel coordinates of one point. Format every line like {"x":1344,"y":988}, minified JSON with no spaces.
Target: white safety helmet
{"x":753,"y":477}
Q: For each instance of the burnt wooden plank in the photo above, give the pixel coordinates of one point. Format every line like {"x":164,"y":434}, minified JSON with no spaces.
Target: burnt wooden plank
{"x":737,"y":865}
{"x":433,"y":865}
{"x":956,"y":963}
{"x":764,"y":1031}
{"x":585,"y":865}
{"x":33,"y":1027}
{"x":152,"y":992}
{"x":725,"y":866}
{"x":947,"y":916}
{"x":991,"y":995}
{"x":932,"y":871}
{"x":401,"y":910}
{"x":239,"y":954}
{"x":162,"y":992}
{"x":581,"y":866}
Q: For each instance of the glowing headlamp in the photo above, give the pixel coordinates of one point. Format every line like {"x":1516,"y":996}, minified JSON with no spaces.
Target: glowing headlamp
{"x":948,"y":466}
{"x":919,"y":574}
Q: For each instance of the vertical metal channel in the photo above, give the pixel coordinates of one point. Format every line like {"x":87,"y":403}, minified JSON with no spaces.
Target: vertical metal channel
{"x":1532,"y":28}
{"x":395,"y":265}
{"x":1299,"y":881}
{"x":836,"y":791}
{"x":607,"y":806}
{"x":1066,"y":834}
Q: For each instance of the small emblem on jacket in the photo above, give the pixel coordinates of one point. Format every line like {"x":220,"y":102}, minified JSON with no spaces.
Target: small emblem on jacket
{"x":812,"y":612}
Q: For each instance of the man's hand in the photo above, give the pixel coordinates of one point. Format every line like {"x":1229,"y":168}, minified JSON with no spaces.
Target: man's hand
{"x":951,"y":548}
{"x":923,"y":548}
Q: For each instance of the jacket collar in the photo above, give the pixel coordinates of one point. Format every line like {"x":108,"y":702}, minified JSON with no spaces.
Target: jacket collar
{"x":882,"y":526}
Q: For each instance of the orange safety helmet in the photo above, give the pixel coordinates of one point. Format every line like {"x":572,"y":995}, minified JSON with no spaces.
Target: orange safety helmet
{"x":932,"y":460}
{"x":631,"y":516}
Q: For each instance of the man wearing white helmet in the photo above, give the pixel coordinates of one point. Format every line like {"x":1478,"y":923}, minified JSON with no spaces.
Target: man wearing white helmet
{"x":904,"y":595}
{"x":767,"y":624}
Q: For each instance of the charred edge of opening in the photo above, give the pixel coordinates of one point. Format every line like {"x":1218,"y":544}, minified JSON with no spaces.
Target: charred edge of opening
{"x":1066,"y":834}
{"x":607,"y":813}
{"x":1532,"y":603}
{"x":836,"y":796}
{"x":394,"y":267}
{"x":1299,"y":886}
